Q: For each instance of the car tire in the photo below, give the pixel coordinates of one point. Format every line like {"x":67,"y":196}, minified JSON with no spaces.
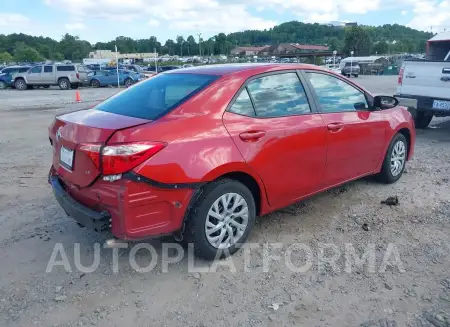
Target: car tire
{"x":3,"y":85}
{"x":74,"y":86}
{"x":95,"y":83}
{"x":421,"y":120}
{"x":204,"y":214}
{"x":64,"y":83}
{"x":356,"y":75}
{"x":398,"y":148}
{"x":46,"y":86}
{"x":128,"y":82}
{"x":20,"y":84}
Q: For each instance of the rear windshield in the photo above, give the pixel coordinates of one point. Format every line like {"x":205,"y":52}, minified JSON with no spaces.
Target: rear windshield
{"x":155,"y":97}
{"x":354,"y":63}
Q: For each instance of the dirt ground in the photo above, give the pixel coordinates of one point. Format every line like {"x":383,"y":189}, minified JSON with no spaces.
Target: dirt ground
{"x":412,"y":289}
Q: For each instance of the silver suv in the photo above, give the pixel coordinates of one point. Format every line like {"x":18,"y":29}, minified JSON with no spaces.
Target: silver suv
{"x":64,"y":76}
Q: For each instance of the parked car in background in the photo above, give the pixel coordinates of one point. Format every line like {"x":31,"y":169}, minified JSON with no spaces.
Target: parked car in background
{"x":139,"y":165}
{"x":349,"y":67}
{"x":138,"y":69}
{"x":424,"y":84}
{"x":167,"y":68}
{"x":109,"y":77}
{"x":65,"y":76}
{"x":7,"y":77}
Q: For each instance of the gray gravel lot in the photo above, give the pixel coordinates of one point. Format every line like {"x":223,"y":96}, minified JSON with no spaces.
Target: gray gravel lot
{"x":32,"y":223}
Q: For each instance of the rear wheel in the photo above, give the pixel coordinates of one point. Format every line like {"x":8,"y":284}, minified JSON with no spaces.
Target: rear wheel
{"x":221,"y":219}
{"x":421,"y":120}
{"x":46,"y":86}
{"x":395,"y":160}
{"x":3,"y":85}
{"x":74,"y":86}
{"x":64,"y":84}
{"x":356,"y":75}
{"x":20,"y":84}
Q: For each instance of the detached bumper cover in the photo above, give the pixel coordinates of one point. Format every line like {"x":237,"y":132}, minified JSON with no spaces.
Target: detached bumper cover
{"x":98,"y":221}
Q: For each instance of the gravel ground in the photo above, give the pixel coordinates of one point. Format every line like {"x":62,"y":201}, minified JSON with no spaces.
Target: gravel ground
{"x":411,"y":288}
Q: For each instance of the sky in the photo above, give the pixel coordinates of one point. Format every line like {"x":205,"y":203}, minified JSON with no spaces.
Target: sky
{"x":103,"y":20}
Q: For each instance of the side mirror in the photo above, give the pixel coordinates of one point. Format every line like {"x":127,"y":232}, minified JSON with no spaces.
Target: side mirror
{"x":384,"y":102}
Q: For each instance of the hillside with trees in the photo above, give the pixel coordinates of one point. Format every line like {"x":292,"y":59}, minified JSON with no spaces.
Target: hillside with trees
{"x":363,"y":40}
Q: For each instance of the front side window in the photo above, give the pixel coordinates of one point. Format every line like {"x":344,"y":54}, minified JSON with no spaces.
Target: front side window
{"x":336,"y":95}
{"x":278,"y":95}
{"x":156,"y":96}
{"x":243,"y":105}
{"x":36,"y":70}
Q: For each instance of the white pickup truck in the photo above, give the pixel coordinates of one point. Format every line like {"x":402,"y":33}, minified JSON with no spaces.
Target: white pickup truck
{"x":427,"y":83}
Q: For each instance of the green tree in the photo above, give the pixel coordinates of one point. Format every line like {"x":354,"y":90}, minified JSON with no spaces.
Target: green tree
{"x":357,"y":39}
{"x":23,"y":52}
{"x":5,"y":57}
{"x":380,"y":48}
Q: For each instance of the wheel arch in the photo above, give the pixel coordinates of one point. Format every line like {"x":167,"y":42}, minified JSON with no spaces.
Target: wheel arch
{"x":407,"y":134}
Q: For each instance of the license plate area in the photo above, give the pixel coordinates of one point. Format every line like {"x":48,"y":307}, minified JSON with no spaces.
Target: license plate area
{"x":66,"y":157}
{"x":442,"y":105}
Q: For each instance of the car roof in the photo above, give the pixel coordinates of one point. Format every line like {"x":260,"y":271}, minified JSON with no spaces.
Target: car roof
{"x":256,"y":68}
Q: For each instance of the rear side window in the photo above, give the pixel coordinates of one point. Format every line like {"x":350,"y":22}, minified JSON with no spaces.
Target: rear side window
{"x":243,"y":105}
{"x":48,"y":69}
{"x":24,"y":69}
{"x":68,"y":68}
{"x":155,"y":97}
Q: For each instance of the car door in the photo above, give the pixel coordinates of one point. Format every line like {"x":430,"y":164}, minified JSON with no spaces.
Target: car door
{"x":34,"y":75}
{"x":279,"y":135}
{"x":47,"y":76}
{"x":355,"y":133}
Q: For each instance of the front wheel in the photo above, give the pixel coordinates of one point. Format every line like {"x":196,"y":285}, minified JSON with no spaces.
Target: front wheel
{"x":128,"y":82}
{"x":20,"y":84}
{"x":356,"y":75}
{"x":395,"y":160}
{"x":221,"y":219}
{"x":95,"y":83}
{"x":74,"y":86}
{"x":3,"y":85}
{"x":421,"y":120}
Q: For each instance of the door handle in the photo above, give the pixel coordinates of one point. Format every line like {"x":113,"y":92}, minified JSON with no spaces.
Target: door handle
{"x":335,"y":127}
{"x":252,"y":136}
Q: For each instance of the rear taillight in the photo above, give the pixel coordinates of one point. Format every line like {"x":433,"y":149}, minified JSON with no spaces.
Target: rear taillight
{"x":400,"y":76}
{"x":119,"y":158}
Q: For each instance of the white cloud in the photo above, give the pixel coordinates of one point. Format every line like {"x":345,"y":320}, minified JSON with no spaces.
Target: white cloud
{"x":431,"y":14}
{"x":180,"y":15}
{"x":13,"y":20}
{"x":153,"y":22}
{"x":75,"y":26}
{"x":404,"y":12}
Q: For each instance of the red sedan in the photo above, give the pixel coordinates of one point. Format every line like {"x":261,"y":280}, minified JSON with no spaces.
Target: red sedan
{"x":200,"y":152}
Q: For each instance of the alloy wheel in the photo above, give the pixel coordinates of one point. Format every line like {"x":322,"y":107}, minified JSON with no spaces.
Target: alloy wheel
{"x":227,"y":220}
{"x":398,"y":158}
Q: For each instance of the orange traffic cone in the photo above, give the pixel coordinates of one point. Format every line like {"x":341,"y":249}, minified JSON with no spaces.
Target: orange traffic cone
{"x":77,"y":97}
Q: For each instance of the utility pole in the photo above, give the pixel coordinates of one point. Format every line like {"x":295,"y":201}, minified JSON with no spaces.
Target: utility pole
{"x":200,"y":44}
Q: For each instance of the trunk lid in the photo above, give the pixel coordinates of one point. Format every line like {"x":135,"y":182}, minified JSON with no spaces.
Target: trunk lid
{"x":68,"y":132}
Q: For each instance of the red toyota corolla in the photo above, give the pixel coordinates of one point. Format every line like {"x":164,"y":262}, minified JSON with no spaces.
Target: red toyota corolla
{"x":200,"y":152}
